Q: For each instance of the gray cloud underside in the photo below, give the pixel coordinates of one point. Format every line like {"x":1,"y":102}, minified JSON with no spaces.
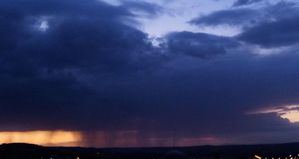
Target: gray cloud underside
{"x":245,"y":2}
{"x":270,"y":26}
{"x":89,"y":71}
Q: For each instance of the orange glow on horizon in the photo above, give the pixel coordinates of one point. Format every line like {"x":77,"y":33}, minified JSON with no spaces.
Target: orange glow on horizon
{"x":292,"y":116}
{"x":47,"y":138}
{"x":124,"y":138}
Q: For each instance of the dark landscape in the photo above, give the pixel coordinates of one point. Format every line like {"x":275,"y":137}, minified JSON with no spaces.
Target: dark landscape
{"x":271,"y":151}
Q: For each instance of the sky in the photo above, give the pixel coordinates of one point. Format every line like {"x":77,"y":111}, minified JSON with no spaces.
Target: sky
{"x":130,"y":73}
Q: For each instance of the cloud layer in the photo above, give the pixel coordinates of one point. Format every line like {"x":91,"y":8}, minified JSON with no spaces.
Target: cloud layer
{"x":83,"y":66}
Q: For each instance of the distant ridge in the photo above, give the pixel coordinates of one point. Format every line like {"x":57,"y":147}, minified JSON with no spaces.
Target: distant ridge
{"x":31,"y":151}
{"x":28,"y":145}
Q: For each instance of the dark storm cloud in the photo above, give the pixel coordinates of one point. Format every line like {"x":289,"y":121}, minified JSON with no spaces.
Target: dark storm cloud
{"x":42,"y":71}
{"x":245,"y":2}
{"x":246,"y":17}
{"x":282,"y":30}
{"x":211,"y":97}
{"x":271,"y":26}
{"x":89,"y":71}
{"x":273,"y":34}
{"x":199,"y":44}
{"x":230,"y":17}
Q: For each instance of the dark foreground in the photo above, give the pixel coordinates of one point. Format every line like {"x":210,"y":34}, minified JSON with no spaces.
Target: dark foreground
{"x":275,"y":151}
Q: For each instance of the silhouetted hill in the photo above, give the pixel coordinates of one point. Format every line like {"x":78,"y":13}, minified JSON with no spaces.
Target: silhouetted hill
{"x":29,"y":151}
